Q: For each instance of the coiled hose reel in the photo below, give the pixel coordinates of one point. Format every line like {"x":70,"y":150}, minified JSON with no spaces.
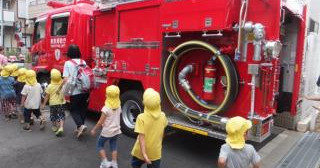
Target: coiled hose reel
{"x":169,"y":83}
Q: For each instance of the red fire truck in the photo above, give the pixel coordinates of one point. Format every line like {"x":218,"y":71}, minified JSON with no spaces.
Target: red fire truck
{"x":55,"y":30}
{"x":209,"y":59}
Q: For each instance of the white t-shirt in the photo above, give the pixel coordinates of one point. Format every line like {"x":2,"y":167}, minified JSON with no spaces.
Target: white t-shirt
{"x":33,"y":96}
{"x":111,"y":126}
{"x":68,"y":70}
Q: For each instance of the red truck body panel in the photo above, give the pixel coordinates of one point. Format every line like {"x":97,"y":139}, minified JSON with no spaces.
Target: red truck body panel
{"x":146,"y":21}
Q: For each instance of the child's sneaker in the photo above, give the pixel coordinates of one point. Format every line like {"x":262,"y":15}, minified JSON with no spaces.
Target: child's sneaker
{"x":54,"y":129}
{"x":105,"y":164}
{"x":114,"y":164}
{"x":59,"y":132}
{"x":26,"y":128}
{"x":81,"y":130}
{"x":42,"y":124}
{"x":13,"y":116}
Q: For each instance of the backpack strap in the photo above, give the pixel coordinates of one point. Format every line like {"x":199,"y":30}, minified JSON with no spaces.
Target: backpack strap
{"x":73,"y":61}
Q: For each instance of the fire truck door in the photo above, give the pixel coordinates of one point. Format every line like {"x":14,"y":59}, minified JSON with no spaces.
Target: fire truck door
{"x":58,"y":34}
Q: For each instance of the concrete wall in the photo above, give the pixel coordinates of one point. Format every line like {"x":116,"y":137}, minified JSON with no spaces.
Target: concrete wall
{"x":311,"y":68}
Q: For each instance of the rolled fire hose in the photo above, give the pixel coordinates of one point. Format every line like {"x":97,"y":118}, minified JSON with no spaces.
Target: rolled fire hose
{"x":169,"y":82}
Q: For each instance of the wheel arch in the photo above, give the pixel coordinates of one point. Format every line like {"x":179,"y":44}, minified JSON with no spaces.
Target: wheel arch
{"x":127,"y":85}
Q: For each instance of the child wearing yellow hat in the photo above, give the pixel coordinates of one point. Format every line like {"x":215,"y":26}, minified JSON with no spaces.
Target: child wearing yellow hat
{"x":31,"y":99}
{"x":56,"y":102}
{"x":18,"y":86}
{"x":235,"y":153}
{"x":7,"y":93}
{"x":110,"y":123}
{"x":150,"y":126}
{"x":14,"y":70}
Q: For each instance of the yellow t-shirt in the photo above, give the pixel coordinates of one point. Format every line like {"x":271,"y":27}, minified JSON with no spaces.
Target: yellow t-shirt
{"x":153,"y":129}
{"x":55,"y":98}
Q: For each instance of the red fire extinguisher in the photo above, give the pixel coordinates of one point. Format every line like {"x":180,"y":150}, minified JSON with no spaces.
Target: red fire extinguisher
{"x":210,"y":77}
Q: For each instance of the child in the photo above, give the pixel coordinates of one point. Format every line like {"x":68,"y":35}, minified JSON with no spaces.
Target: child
{"x":110,"y":123}
{"x":56,"y":102}
{"x":18,"y":86}
{"x":31,"y":99}
{"x":13,"y":73}
{"x":150,"y":126}
{"x":235,"y":152}
{"x":7,"y":93}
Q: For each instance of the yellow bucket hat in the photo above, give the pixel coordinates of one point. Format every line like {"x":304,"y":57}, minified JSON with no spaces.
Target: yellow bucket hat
{"x":151,"y":101}
{"x":236,"y":129}
{"x":22,"y":75}
{"x":6,"y":71}
{"x":31,"y":77}
{"x":14,"y":71}
{"x":55,"y":77}
{"x":113,"y":99}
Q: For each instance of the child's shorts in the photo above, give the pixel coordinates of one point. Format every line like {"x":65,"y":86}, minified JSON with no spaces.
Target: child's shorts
{"x":137,"y":163}
{"x":57,"y":113}
{"x":112,"y":142}
{"x":27,"y":114}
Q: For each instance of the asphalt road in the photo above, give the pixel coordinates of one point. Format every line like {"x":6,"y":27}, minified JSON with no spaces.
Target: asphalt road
{"x":42,"y":149}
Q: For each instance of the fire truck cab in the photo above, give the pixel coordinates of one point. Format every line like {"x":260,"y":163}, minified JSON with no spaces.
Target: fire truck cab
{"x":55,"y":30}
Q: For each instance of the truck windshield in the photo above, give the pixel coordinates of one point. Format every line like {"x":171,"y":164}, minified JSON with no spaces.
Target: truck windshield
{"x":59,"y":26}
{"x":39,"y":30}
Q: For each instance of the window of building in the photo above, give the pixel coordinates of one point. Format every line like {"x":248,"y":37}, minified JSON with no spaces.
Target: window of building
{"x":313,"y":26}
{"x":6,"y":4}
{"x":59,"y":26}
{"x":40,"y":29}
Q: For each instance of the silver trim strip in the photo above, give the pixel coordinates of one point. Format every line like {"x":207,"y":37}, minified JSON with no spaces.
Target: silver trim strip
{"x":151,"y":44}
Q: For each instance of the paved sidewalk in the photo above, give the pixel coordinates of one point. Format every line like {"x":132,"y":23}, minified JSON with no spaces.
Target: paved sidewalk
{"x":278,"y":147}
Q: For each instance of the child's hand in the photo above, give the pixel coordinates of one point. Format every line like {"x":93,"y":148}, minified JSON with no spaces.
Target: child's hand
{"x":147,"y":160}
{"x":93,"y":132}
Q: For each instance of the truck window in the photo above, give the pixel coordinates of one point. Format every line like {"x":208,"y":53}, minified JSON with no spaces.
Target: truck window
{"x":40,"y":30}
{"x":59,"y":26}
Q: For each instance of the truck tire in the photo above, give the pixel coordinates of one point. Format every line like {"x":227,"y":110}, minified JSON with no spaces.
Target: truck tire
{"x":131,"y":103}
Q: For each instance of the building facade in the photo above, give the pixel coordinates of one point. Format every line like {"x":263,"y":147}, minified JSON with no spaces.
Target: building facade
{"x":15,"y":36}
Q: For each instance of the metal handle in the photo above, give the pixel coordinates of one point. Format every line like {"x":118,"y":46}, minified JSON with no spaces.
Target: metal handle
{"x":219,"y":34}
{"x":173,"y":36}
{"x":283,"y":15}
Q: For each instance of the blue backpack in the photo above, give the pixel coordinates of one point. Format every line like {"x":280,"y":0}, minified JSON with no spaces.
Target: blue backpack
{"x":6,"y":88}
